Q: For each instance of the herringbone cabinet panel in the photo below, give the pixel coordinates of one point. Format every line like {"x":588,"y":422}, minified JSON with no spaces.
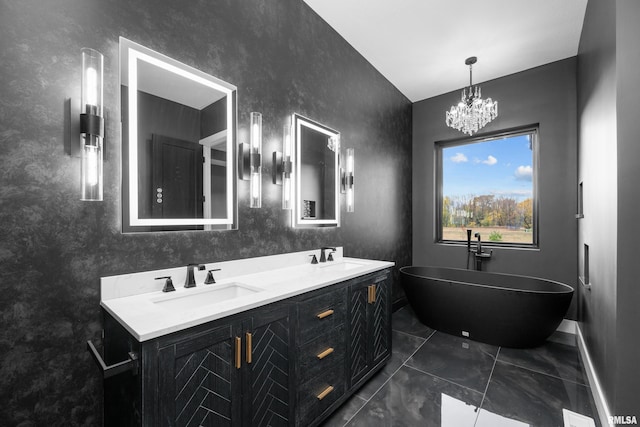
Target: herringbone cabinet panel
{"x":203,"y":387}
{"x":270,"y":374}
{"x":358,"y":332}
{"x":381,"y":337}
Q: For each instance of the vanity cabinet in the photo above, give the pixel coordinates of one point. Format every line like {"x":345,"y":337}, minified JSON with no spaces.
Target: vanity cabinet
{"x":291,"y":362}
{"x":237,"y":371}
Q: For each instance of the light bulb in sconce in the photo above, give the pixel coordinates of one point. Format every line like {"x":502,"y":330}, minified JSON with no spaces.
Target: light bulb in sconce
{"x":282,"y":165}
{"x":91,"y":126}
{"x":255,"y":144}
{"x":92,"y":89}
{"x":255,"y":186}
{"x":286,"y":168}
{"x":93,"y":170}
{"x":349,"y":176}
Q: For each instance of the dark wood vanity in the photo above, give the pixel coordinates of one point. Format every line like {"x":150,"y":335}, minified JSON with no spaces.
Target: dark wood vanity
{"x":291,"y":362}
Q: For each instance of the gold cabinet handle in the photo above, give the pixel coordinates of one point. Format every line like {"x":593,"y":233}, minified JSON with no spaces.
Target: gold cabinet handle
{"x":325,"y":314}
{"x":325,"y":392}
{"x":325,"y":353}
{"x":371,"y":298}
{"x":238,"y":352}
{"x":249,"y":347}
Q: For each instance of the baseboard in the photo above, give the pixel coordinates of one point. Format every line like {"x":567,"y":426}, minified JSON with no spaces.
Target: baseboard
{"x":568,"y":326}
{"x":596,"y":389}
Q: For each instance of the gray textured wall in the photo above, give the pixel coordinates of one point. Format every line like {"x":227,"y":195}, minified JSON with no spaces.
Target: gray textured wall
{"x":544,"y":95}
{"x":628,"y":153}
{"x":608,"y":85}
{"x":597,"y":171}
{"x":54,"y":248}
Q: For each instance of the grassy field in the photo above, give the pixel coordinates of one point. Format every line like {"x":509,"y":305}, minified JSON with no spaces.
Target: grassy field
{"x":508,"y":236}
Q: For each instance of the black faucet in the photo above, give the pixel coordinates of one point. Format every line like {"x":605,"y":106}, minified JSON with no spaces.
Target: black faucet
{"x":168,"y":284}
{"x":210,"y":279}
{"x":479,"y":254}
{"x":190,"y":281}
{"x":323,"y":258}
{"x":479,"y":244}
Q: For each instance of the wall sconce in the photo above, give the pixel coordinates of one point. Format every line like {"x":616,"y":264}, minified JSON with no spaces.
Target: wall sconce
{"x":282,"y":166}
{"x":91,"y":125}
{"x":348,"y":180}
{"x":250,"y":161}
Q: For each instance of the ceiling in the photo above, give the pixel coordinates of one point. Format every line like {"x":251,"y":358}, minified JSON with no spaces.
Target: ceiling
{"x":420,"y":45}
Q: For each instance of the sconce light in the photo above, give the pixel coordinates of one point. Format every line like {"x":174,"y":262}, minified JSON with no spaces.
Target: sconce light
{"x":250,"y":161}
{"x":91,"y":125}
{"x":282,"y":165}
{"x":348,"y":180}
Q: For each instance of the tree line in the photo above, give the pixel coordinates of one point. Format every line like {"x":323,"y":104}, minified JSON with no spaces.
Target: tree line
{"x":487,"y":211}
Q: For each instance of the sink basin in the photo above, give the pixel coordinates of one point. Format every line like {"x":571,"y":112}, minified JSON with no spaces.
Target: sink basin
{"x":340,"y":266}
{"x":191,"y":299}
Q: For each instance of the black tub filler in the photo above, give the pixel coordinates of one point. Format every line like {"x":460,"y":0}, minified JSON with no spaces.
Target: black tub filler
{"x":499,"y":309}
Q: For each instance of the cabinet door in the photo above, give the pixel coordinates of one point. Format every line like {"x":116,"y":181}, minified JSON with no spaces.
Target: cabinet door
{"x":369,"y":325}
{"x":359,"y":362}
{"x":381,"y":321}
{"x":198,"y":382}
{"x":268,"y":388}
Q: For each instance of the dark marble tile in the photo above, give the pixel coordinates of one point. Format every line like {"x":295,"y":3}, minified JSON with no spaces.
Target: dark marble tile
{"x":552,"y":358}
{"x":345,"y":412}
{"x":533,"y":398}
{"x":412,"y":398}
{"x":404,"y":345}
{"x":405,"y":320}
{"x":464,"y":362}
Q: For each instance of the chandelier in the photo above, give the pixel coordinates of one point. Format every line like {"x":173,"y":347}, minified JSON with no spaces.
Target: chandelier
{"x":472,"y":112}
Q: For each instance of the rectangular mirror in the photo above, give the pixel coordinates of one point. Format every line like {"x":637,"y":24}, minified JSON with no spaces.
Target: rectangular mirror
{"x":316,"y":172}
{"x":178,"y":145}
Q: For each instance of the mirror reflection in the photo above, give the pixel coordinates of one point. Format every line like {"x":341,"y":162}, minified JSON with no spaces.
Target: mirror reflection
{"x":316,"y":174}
{"x":178,"y":130}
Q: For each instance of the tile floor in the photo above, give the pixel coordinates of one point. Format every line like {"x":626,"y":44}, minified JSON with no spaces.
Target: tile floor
{"x":436,"y":379}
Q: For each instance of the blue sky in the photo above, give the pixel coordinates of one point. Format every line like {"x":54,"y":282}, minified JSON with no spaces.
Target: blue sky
{"x":502,"y":167}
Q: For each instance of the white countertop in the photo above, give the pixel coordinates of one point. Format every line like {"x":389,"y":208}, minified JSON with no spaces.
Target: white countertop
{"x":138,"y":303}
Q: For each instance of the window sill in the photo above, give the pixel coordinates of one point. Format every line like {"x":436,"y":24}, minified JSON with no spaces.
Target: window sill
{"x":491,"y":245}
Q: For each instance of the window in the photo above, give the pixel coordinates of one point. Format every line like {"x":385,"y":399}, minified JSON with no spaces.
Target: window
{"x":488,"y":185}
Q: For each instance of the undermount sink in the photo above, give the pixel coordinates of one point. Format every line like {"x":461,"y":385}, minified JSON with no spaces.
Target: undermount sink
{"x":341,"y":266}
{"x":199,"y":298}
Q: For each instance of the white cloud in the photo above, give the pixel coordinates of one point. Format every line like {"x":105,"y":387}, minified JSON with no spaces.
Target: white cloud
{"x":490,"y":161}
{"x":459,"y":158}
{"x":524,"y":173}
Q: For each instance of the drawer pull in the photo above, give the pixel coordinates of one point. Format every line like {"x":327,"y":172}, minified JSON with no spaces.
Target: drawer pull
{"x":325,"y":314}
{"x":249,"y":347}
{"x":325,"y":353}
{"x":372,"y":294}
{"x":325,"y":392}
{"x":238,"y":352}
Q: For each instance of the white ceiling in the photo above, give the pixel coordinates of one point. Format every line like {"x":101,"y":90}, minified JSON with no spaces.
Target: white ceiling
{"x":420,"y":45}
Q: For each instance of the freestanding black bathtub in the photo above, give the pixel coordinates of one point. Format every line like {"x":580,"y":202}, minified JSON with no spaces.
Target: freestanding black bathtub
{"x":499,"y":309}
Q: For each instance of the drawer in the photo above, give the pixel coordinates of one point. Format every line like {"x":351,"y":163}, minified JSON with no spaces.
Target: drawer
{"x":324,"y":352}
{"x":322,"y":313}
{"x":316,"y":395}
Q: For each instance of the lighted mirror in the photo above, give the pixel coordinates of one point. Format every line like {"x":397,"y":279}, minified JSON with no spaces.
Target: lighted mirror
{"x":178,"y":145}
{"x":316,"y":172}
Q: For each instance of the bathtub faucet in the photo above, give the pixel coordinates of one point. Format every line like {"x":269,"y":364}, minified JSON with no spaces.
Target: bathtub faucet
{"x":479,"y":254}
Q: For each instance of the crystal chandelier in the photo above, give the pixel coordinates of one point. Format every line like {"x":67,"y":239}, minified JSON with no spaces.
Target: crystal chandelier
{"x":472,"y":112}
